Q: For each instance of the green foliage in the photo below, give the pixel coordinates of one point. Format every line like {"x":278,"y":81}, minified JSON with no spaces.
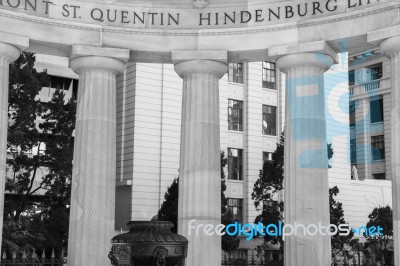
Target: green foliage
{"x":229,"y":243}
{"x":224,"y":200}
{"x":383,"y":217}
{"x":38,"y":180}
{"x":337,"y":218}
{"x":270,"y":179}
{"x":330,"y":154}
{"x":23,"y":108}
{"x":20,"y":235}
{"x":169,"y":208}
{"x":266,"y":188}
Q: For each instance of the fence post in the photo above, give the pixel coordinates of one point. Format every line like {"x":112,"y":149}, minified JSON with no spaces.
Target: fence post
{"x":63,"y":261}
{"x":224,"y":259}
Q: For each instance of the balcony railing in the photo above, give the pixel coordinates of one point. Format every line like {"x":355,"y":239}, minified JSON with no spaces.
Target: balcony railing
{"x":374,"y":85}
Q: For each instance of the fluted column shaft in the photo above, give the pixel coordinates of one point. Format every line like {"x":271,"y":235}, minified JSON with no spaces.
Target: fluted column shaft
{"x":8,"y":54}
{"x":93,"y":183}
{"x":306,"y":162}
{"x":199,"y":173}
{"x":391,"y":47}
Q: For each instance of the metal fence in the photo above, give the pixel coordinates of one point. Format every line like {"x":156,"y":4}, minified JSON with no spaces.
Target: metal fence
{"x":253,"y":262}
{"x":243,"y":262}
{"x":356,"y":264}
{"x":253,"y":258}
{"x":31,"y":259}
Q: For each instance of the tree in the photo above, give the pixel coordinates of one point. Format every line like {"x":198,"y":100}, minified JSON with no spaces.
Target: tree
{"x":229,"y":243}
{"x":383,"y":217}
{"x":169,"y":208}
{"x":339,"y":243}
{"x":23,"y":134}
{"x":267,"y":187}
{"x":39,"y":160}
{"x":57,"y":131}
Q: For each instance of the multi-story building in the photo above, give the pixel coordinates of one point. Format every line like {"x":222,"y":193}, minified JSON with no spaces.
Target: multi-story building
{"x":369,"y":123}
{"x":149,"y":115}
{"x":369,"y":78}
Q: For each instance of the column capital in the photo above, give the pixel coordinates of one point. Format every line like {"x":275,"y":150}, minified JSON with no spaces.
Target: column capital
{"x":201,"y":66}
{"x":319,"y":47}
{"x":318,"y":53}
{"x":321,"y":61}
{"x":390,"y":45}
{"x":83,"y":57}
{"x":212,"y":61}
{"x":214,"y":55}
{"x":12,"y":45}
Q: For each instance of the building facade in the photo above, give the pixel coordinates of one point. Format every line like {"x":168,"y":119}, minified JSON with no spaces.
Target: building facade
{"x":149,"y":138}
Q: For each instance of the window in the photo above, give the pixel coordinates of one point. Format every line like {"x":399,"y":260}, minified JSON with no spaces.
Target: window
{"x":269,"y":120}
{"x":272,"y":255}
{"x":235,"y":207}
{"x":39,"y":149}
{"x":378,"y":147}
{"x":235,"y":164}
{"x":268,"y":75}
{"x":376,"y":71}
{"x":267,"y":156}
{"x":60,"y":83}
{"x":353,"y":151}
{"x":232,"y":257}
{"x":352,"y":113}
{"x":75,"y":85}
{"x":235,"y":115}
{"x":352,"y":79}
{"x":270,"y":203}
{"x":235,"y":73}
{"x":381,"y":176}
{"x":376,"y":110}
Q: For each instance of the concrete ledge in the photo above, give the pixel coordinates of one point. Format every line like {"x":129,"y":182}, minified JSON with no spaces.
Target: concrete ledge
{"x":214,"y":55}
{"x":84,"y":50}
{"x":124,"y":183}
{"x":308,"y":47}
{"x":376,"y":37}
{"x":18,"y":41}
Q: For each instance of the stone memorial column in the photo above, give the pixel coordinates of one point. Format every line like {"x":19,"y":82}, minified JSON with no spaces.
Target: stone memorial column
{"x":91,"y":224}
{"x":10,"y":49}
{"x":306,"y":162}
{"x":391,"y":47}
{"x":199,"y":173}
